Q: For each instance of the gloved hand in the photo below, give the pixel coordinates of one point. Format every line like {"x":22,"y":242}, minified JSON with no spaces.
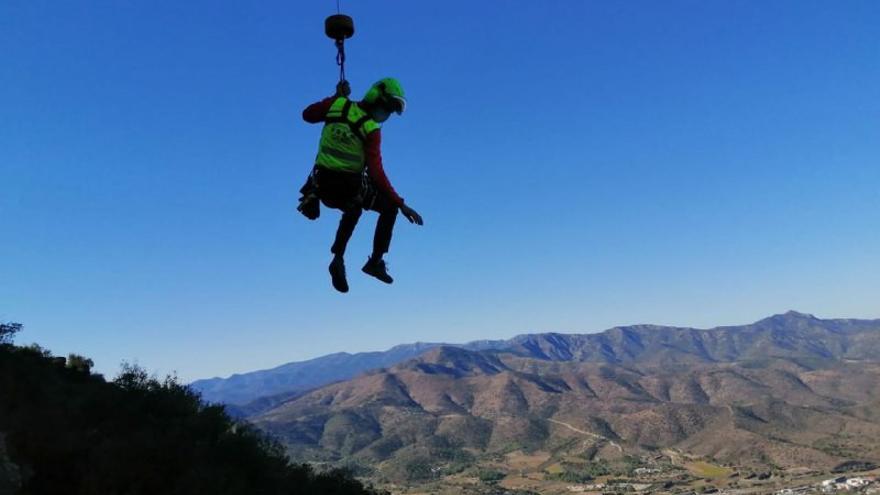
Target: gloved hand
{"x":411,"y":215}
{"x":343,"y":89}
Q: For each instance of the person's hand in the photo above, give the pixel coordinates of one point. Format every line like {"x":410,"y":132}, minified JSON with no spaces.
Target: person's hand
{"x":343,"y":89}
{"x":411,"y":215}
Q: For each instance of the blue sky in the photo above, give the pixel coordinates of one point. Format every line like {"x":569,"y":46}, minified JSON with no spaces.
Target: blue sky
{"x":579,"y":165}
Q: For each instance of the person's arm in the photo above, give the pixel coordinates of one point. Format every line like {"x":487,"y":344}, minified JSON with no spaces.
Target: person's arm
{"x":377,"y":174}
{"x":316,"y":112}
{"x":373,"y":148}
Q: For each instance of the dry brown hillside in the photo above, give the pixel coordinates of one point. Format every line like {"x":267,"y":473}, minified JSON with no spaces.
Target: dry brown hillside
{"x":789,"y":391}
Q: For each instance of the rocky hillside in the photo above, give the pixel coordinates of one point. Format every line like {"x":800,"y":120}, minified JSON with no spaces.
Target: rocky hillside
{"x":790,"y":390}
{"x":294,"y":378}
{"x":251,"y":392}
{"x":793,"y":335}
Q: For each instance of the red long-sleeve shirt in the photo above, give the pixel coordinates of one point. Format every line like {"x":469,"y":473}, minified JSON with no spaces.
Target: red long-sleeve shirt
{"x":317,"y":113}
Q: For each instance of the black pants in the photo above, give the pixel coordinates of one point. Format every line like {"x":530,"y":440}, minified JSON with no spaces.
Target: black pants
{"x":352,"y":193}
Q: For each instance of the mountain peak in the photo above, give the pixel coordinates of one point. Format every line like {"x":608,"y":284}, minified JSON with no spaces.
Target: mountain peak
{"x":792,"y":315}
{"x":797,"y":314}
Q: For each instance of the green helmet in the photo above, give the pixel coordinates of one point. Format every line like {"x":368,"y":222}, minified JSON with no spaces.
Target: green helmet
{"x":387,"y":91}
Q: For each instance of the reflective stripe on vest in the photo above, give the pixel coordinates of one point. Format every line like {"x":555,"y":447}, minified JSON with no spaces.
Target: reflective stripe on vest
{"x":340,"y":154}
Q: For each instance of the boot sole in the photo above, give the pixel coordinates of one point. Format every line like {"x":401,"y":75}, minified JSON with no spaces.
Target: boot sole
{"x":389,"y":282}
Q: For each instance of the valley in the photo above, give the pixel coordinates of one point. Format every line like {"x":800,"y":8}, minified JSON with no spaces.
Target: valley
{"x":777,"y":404}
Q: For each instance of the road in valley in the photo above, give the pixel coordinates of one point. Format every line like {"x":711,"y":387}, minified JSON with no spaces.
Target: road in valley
{"x":594,"y":435}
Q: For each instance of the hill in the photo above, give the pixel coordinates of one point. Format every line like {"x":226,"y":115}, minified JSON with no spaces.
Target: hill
{"x":793,"y":334}
{"x":294,"y":378}
{"x":66,"y":430}
{"x":790,"y":391}
{"x":253,"y":392}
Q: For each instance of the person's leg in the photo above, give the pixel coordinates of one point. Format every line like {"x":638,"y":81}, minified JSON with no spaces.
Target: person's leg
{"x":375,"y":265}
{"x":338,"y":190}
{"x":346,"y":227}
{"x":343,"y":233}
{"x":384,"y":227}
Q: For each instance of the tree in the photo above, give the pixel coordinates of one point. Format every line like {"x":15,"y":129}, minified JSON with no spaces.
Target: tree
{"x":80,"y":363}
{"x":73,"y":432}
{"x":8,"y":331}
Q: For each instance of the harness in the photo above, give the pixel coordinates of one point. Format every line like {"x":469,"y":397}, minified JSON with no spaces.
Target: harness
{"x":356,"y":127}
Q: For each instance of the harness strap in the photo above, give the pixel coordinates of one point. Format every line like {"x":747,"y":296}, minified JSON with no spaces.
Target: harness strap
{"x":342,"y":118}
{"x":359,"y":127}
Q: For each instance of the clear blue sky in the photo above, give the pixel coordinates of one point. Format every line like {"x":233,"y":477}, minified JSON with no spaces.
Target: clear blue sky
{"x":579,"y":165}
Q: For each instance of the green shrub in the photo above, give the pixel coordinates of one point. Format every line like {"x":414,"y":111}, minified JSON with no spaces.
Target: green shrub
{"x":72,"y":432}
{"x":490,"y":475}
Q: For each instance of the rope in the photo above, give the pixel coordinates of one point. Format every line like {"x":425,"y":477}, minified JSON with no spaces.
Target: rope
{"x":340,"y":49}
{"x":340,"y":58}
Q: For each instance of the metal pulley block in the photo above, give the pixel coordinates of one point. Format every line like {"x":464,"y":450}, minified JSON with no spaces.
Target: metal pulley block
{"x":339,"y":27}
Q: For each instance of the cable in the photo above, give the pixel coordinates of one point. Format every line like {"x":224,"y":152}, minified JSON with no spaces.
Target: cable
{"x":340,"y":46}
{"x":340,"y":59}
{"x":339,"y":27}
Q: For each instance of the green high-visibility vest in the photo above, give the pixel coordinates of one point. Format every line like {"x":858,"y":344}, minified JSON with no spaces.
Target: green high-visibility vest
{"x":346,"y":127}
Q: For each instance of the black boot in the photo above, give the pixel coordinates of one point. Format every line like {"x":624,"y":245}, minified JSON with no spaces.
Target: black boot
{"x":337,"y":274}
{"x":376,"y":267}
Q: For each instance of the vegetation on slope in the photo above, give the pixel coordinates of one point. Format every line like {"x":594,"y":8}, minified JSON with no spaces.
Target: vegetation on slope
{"x":67,"y":430}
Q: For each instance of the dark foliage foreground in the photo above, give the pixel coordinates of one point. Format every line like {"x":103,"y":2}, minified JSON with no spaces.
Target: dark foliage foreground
{"x":69,"y":431}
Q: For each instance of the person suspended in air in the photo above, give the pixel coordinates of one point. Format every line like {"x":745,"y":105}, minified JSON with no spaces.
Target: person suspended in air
{"x":348,"y":173}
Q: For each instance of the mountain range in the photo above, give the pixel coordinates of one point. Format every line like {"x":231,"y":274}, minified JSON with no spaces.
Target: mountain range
{"x":788,"y":391}
{"x":292,"y":378}
{"x":617,"y":345}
